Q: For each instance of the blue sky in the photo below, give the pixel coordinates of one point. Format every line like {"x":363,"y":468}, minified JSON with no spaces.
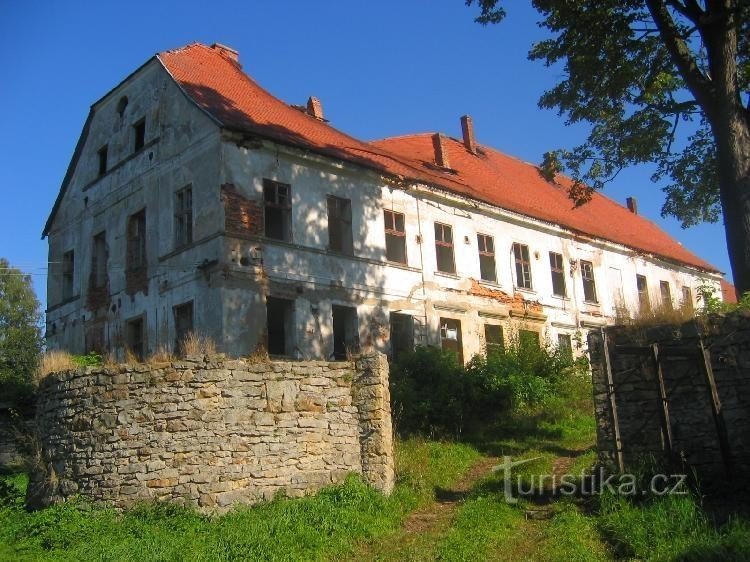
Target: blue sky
{"x":380,"y":68}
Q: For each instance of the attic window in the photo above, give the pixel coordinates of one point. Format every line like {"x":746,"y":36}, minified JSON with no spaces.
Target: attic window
{"x":139,"y":133}
{"x":121,"y":105}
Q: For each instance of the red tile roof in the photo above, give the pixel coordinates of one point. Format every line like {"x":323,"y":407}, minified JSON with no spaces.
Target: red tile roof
{"x":217,"y":84}
{"x":728,"y":292}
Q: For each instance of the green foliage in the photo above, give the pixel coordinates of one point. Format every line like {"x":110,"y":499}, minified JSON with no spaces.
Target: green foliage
{"x":91,"y":359}
{"x":20,"y":335}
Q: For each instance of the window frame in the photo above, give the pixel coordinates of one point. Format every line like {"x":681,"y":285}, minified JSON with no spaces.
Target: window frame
{"x":136,"y":243}
{"x":139,"y":135}
{"x":559,"y":270}
{"x":183,"y":217}
{"x":342,"y":219}
{"x":103,"y":160}
{"x":99,"y":262}
{"x":494,"y":346}
{"x":138,"y":350}
{"x":665,"y":294}
{"x":67,"y":289}
{"x":644,"y":299}
{"x":523,"y":277}
{"x":178,"y":336}
{"x":277,"y":204}
{"x":447,"y":244}
{"x":488,"y":255}
{"x":394,"y":234}
{"x":588,"y":281}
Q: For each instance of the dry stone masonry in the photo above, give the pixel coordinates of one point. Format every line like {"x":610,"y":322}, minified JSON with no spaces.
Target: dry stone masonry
{"x":213,"y":432}
{"x":680,"y":394}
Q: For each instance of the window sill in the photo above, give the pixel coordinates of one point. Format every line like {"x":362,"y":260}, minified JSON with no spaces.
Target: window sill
{"x":63,"y":303}
{"x":491,"y":284}
{"x":447,"y":275}
{"x":592,"y":303}
{"x":561,"y":297}
{"x":525,"y":290}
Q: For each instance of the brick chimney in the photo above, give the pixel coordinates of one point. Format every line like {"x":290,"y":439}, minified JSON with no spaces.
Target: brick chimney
{"x":632,"y":205}
{"x":227,"y":52}
{"x":441,"y":151}
{"x":315,"y":108}
{"x":467,"y":128}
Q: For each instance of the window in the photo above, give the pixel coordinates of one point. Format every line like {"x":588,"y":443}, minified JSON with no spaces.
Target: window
{"x":589,"y":285}
{"x":68,"y":274}
{"x":395,"y":237}
{"x":643,"y":299}
{"x":493,"y":339}
{"x":136,"y":258}
{"x":99,"y":260}
{"x":444,"y":248}
{"x":277,"y":212}
{"x":557,"y":267}
{"x":340,"y":225}
{"x":102,"y":160}
{"x":183,"y":324}
{"x":134,"y":334}
{"x":139,"y":134}
{"x":666,"y":294}
{"x":345,"y":331}
{"x":564,"y":344}
{"x":121,"y":105}
{"x":528,"y":339}
{"x":687,"y":298}
{"x":402,"y":334}
{"x":523,"y":265}
{"x":183,"y":217}
{"x":279,"y":325}
{"x":486,"y":246}
{"x":450,"y":337}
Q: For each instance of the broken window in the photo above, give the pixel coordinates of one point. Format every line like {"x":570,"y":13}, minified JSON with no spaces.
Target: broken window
{"x":565,"y":345}
{"x":345,"y":331}
{"x":450,"y":337}
{"x":486,"y":246}
{"x":183,"y":324}
{"x":102,"y":160}
{"x":528,"y":339}
{"x":183,"y":216}
{"x":99,"y":260}
{"x":135,"y":337}
{"x":340,"y":225}
{"x":402,"y":334}
{"x":395,"y":237}
{"x":137,"y":240}
{"x":687,"y":298}
{"x":523,"y":265}
{"x":666,"y":294}
{"x":139,"y":135}
{"x":279,"y":326}
{"x":589,"y":286}
{"x":277,"y":203}
{"x":493,"y":339}
{"x":557,"y":267}
{"x":68,"y":275}
{"x":643,"y":299}
{"x":444,"y":248}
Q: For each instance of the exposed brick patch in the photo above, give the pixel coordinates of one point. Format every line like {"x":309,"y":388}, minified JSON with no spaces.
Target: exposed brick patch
{"x":243,"y":216}
{"x":516,"y":301}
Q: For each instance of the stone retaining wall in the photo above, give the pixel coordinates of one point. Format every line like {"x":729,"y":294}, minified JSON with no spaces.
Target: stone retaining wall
{"x":709,"y":432}
{"x":213,"y":432}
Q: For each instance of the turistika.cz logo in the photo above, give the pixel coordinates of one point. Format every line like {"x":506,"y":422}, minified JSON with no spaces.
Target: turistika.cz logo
{"x":584,"y":484}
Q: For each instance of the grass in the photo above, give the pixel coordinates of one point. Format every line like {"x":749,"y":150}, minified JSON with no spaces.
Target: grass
{"x":54,"y":361}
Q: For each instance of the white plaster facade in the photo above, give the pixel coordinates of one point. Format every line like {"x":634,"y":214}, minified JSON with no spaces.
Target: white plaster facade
{"x":228,"y":275}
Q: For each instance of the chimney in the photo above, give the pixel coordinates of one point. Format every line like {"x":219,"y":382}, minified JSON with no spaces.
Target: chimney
{"x":467,"y":128}
{"x":441,"y":151}
{"x":315,"y":108}
{"x":227,"y":52}
{"x":632,"y":205}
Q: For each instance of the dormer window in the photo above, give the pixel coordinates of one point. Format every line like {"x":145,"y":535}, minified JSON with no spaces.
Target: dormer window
{"x":139,"y":133}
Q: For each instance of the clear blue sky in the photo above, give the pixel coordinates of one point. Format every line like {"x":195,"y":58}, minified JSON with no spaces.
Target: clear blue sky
{"x":380,"y":68}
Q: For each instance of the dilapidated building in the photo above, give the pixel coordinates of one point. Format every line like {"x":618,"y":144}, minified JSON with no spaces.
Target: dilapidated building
{"x":197,"y":201}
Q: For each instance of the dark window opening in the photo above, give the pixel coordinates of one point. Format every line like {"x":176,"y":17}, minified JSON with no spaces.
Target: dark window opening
{"x":486,"y":246}
{"x":135,"y":338}
{"x":687,"y":298}
{"x":557,"y":267}
{"x":139,"y":134}
{"x":121,"y":105}
{"x":183,"y":217}
{"x":103,"y":160}
{"x":395,"y":237}
{"x":493,"y":339}
{"x":589,"y":286}
{"x":99,"y":260}
{"x":340,"y":225}
{"x":402,"y":334}
{"x":528,"y":339}
{"x":137,"y":240}
{"x":277,"y":205}
{"x":183,"y":324}
{"x":345,"y":331}
{"x":565,"y":344}
{"x":643,"y":299}
{"x":279,"y":326}
{"x":68,"y":274}
{"x":444,"y":248}
{"x":523,"y":265}
{"x":450,"y":337}
{"x":666,"y":294}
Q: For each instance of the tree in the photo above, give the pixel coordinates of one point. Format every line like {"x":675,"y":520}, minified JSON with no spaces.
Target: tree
{"x":638,"y":71}
{"x":20,"y":334}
